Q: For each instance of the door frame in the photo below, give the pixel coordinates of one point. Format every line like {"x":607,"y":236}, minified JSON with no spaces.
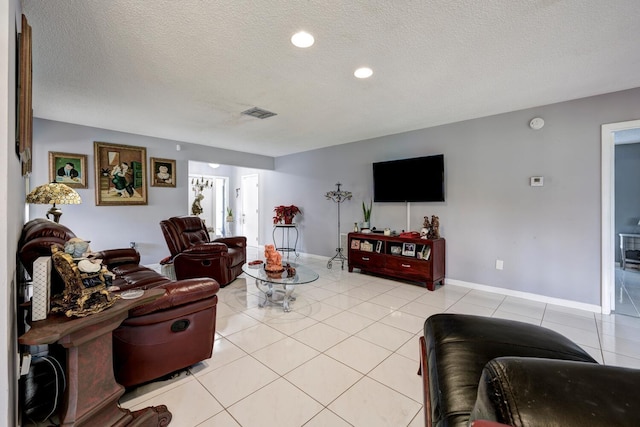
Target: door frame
{"x":607,"y":254}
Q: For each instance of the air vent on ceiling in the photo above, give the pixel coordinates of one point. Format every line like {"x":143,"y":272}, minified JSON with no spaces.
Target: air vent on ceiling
{"x":259,"y":113}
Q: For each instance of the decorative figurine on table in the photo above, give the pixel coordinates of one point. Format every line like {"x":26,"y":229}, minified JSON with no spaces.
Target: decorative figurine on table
{"x":273,"y":260}
{"x":426,"y":227}
{"x":434,"y":231}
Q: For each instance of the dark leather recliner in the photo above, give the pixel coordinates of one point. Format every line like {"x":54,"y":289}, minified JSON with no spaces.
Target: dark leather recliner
{"x":491,"y":372}
{"x":193,"y":254}
{"x":171,"y":333}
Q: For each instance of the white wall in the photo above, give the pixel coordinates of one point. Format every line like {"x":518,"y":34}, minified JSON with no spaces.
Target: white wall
{"x":11,"y":210}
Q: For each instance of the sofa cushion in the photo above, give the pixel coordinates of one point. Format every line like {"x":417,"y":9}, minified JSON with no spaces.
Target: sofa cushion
{"x":540,"y":392}
{"x":459,"y":346}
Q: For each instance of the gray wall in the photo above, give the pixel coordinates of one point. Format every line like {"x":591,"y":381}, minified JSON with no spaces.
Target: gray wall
{"x":627,"y":191}
{"x":548,"y":237}
{"x":116,"y":226}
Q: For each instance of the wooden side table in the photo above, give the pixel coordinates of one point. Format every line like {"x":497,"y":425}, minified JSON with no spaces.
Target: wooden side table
{"x":92,"y":394}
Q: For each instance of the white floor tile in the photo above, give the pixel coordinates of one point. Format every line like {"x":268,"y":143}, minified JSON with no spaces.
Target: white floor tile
{"x":237,"y":380}
{"x":222,"y":419}
{"x":279,"y":404}
{"x":321,"y":336}
{"x":255,"y":337}
{"x":385,"y":336}
{"x":358,"y":354}
{"x":189,"y":404}
{"x":224,"y":351}
{"x":401,"y":374}
{"x":324,"y":378}
{"x":371,"y":404}
{"x":327,"y":418}
{"x":285,"y":355}
{"x":348,"y":322}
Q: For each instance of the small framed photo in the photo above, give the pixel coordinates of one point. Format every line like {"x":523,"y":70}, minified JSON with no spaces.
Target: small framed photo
{"x":379,"y":246}
{"x":409,"y":249}
{"x":396,"y":250}
{"x":366,"y":246}
{"x":69,"y":169}
{"x":355,"y":244}
{"x":163,"y":172}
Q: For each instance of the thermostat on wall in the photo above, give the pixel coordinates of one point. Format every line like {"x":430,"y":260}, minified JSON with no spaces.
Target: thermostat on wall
{"x":537,"y":181}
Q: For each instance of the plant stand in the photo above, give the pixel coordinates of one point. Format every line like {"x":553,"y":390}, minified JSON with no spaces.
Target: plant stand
{"x":338,"y":197}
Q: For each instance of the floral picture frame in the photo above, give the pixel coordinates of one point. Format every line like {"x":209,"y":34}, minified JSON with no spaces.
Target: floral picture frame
{"x":121,"y":174}
{"x":163,"y":172}
{"x":67,"y":168}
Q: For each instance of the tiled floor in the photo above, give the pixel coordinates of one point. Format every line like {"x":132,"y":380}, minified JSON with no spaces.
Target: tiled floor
{"x":628,"y":291}
{"x":347,"y":354}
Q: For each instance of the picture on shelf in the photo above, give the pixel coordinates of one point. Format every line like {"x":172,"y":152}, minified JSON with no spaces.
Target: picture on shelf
{"x":366,"y":246}
{"x":409,"y":249}
{"x":379,"y":246}
{"x":426,"y":252}
{"x":396,"y":250}
{"x":355,"y":244}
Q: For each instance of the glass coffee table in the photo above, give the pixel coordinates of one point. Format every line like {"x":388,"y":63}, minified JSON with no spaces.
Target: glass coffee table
{"x":265,"y":282}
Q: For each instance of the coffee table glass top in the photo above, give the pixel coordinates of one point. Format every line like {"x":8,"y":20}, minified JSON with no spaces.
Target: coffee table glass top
{"x":303,"y":274}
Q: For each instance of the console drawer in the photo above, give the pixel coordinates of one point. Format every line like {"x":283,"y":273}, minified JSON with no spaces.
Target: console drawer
{"x":408,"y":266}
{"x":366,"y":259}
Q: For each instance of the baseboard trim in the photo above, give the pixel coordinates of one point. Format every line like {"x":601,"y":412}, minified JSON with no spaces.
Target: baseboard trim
{"x":527,"y":295}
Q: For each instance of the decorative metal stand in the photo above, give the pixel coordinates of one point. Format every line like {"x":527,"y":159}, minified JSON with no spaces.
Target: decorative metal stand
{"x":338,"y":197}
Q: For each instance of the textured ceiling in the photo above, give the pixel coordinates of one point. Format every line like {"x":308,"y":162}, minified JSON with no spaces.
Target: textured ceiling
{"x":185,"y":70}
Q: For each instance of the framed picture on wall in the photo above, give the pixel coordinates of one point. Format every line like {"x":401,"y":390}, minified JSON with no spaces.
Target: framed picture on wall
{"x":163,"y":172}
{"x":121,"y":174}
{"x":67,"y":168}
{"x":24,"y":99}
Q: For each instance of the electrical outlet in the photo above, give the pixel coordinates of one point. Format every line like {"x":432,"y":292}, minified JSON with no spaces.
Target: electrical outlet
{"x":499,"y":264}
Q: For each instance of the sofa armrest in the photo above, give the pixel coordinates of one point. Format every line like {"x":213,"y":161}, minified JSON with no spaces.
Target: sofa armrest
{"x":179,"y":293}
{"x":533,"y":391}
{"x":207,"y":248}
{"x":234,"y":241}
{"x":115,"y":257}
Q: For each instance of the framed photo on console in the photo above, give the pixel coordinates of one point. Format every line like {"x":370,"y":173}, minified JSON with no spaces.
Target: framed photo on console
{"x":409,"y":249}
{"x":355,"y":244}
{"x":379,"y":246}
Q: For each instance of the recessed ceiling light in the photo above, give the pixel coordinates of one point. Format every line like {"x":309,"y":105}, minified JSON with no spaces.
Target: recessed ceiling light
{"x":363,"y":72}
{"x":302,"y":39}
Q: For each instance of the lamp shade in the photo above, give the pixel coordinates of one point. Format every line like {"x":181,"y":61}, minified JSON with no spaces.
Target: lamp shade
{"x":53,"y":193}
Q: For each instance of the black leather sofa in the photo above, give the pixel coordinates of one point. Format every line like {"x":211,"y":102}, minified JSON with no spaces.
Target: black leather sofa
{"x":481,"y":371}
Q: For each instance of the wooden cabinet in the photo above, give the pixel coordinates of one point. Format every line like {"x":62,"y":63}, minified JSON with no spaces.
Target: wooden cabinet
{"x":417,"y":260}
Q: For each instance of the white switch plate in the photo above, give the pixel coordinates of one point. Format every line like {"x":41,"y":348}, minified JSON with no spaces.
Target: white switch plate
{"x":499,"y":264}
{"x":537,"y":181}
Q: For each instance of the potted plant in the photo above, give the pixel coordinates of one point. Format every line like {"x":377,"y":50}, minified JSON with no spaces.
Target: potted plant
{"x":285,"y":213}
{"x":229,"y":214}
{"x":366,"y":211}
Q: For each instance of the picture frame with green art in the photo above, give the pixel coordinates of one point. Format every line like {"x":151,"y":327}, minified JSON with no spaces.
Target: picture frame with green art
{"x":68,"y":168}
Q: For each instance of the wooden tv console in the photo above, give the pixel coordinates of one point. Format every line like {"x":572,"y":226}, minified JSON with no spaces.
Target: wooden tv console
{"x":413,"y":259}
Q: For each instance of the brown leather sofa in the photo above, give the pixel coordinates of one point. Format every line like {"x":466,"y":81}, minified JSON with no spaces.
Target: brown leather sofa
{"x":193,"y":254}
{"x":171,"y":333}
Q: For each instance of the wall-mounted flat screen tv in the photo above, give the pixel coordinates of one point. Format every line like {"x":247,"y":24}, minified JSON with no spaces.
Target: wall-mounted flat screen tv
{"x":420,"y":179}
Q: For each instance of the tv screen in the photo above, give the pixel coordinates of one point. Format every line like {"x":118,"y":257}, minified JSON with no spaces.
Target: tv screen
{"x":420,"y":179}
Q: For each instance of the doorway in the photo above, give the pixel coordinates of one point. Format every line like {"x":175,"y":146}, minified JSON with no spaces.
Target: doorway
{"x":250,"y":218}
{"x":214,"y":201}
{"x":608,"y":245}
